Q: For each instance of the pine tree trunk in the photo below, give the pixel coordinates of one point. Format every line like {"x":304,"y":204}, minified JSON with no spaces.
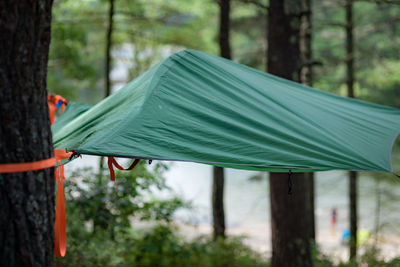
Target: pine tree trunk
{"x":108,"y":47}
{"x":224,"y":29}
{"x":353,"y":214}
{"x":26,"y":198}
{"x":107,"y":92}
{"x":306,"y":78}
{"x":218,"y":172}
{"x":218,"y":202}
{"x":350,"y":91}
{"x":289,"y":220}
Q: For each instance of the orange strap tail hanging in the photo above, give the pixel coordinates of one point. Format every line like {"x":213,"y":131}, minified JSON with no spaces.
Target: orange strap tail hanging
{"x":112,"y":162}
{"x":60,"y":227}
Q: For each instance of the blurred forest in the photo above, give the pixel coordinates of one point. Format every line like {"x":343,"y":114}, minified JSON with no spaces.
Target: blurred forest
{"x":145,"y":32}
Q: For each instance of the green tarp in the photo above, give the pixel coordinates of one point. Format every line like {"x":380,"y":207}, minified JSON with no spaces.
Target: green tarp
{"x":201,"y":108}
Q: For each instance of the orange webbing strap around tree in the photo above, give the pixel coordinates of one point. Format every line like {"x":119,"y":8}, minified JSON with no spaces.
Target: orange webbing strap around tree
{"x":60,"y":224}
{"x":60,"y":233}
{"x":112,"y":162}
{"x":27,"y":166}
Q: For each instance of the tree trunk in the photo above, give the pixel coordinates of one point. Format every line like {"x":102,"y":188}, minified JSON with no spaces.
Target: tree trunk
{"x":289,"y":223}
{"x":353,"y":214}
{"x":218,"y":202}
{"x":224,"y":29}
{"x":107,"y":92}
{"x":377,"y":211}
{"x":218,"y":172}
{"x":306,"y":78}
{"x":27,"y":198}
{"x":108,"y":47}
{"x":350,"y":91}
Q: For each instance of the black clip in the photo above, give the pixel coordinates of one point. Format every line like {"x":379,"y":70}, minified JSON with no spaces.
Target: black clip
{"x":150,"y":161}
{"x":75,"y":155}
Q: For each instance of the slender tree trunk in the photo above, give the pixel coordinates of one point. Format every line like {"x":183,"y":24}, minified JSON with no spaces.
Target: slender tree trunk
{"x":289,"y":220}
{"x":350,"y":91}
{"x":108,"y":47}
{"x":107,"y":92}
{"x":27,"y":198}
{"x":306,"y":78}
{"x":377,"y":211}
{"x":311,"y":204}
{"x":353,"y":214}
{"x":218,"y":172}
{"x":218,"y":202}
{"x":224,"y":29}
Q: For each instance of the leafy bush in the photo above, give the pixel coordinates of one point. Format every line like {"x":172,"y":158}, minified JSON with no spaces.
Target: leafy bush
{"x":106,"y":205}
{"x":159,"y":246}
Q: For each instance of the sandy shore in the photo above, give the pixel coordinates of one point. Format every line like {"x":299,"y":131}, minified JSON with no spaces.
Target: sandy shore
{"x":258,"y":237}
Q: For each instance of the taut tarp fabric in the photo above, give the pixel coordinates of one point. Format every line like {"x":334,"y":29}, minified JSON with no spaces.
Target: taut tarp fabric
{"x":201,"y":108}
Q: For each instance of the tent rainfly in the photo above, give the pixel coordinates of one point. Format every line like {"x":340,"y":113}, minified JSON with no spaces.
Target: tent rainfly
{"x":202,"y":108}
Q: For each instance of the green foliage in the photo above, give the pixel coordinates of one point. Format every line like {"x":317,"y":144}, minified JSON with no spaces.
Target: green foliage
{"x":111,"y":205}
{"x":376,"y":40}
{"x":162,"y":247}
{"x":248,"y":41}
{"x":76,"y":60}
{"x":99,"y":212}
{"x":143,"y":32}
{"x":371,"y":257}
{"x":104,"y":228}
{"x":381,"y":84}
{"x":158,"y":246}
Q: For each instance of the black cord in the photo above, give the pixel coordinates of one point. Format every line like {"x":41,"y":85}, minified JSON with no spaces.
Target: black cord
{"x":290,"y":183}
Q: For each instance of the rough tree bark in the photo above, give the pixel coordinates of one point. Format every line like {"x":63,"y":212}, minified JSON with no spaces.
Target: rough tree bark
{"x":27,"y":198}
{"x":289,"y":223}
{"x":306,"y":78}
{"x":350,"y":92}
{"x":218,"y":172}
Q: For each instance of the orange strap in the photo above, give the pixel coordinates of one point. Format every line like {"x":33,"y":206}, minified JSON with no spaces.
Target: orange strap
{"x":60,"y":237}
{"x":60,"y":245}
{"x":112,"y":162}
{"x":60,"y":234}
{"x":52,"y":112}
{"x":54,"y":101}
{"x":60,"y":230}
{"x":27,"y":166}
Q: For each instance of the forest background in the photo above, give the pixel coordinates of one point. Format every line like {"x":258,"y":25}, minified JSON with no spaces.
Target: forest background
{"x":145,"y":32}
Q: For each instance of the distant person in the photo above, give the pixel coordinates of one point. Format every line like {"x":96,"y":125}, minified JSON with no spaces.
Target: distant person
{"x":333,"y":220}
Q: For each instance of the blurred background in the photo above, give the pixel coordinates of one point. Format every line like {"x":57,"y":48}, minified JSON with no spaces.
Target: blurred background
{"x":161,"y":214}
